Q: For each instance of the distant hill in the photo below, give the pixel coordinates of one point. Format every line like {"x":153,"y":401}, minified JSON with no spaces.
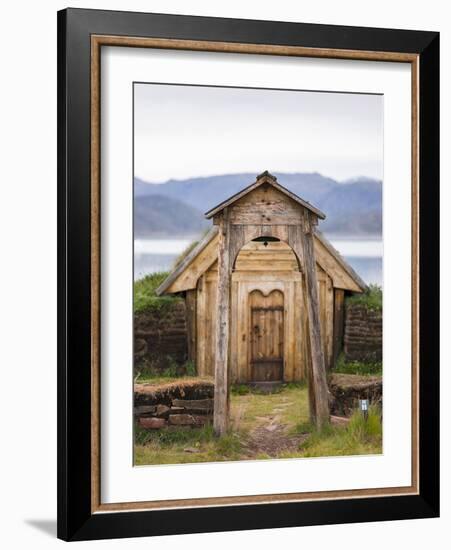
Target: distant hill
{"x":353,"y":207}
{"x":160,"y":216}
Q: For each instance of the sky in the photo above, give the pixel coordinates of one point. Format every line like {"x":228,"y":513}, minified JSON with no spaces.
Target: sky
{"x":190,"y":131}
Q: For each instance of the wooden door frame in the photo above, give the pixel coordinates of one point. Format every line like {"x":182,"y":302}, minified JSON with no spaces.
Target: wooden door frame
{"x":232,"y":238}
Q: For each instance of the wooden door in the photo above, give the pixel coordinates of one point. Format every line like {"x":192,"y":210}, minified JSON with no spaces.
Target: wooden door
{"x":266,"y":336}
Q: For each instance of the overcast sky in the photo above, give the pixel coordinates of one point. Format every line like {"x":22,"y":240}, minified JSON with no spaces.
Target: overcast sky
{"x":189,"y":131}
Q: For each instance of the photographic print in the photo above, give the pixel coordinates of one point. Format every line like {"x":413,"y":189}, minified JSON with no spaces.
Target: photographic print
{"x":258,"y":274}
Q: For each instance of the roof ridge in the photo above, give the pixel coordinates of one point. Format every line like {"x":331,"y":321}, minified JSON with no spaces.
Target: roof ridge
{"x":266,"y":174}
{"x":264,"y":177}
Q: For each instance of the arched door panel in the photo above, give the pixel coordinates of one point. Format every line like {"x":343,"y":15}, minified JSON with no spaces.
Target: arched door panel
{"x":266,"y":336}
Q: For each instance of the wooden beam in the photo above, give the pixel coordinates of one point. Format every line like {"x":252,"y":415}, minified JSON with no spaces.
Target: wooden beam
{"x":221,"y":395}
{"x":339,"y":296}
{"x":300,"y":238}
{"x":191,"y":318}
{"x":318,"y":381}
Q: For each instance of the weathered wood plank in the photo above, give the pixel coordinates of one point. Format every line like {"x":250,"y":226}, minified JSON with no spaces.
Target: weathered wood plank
{"x":267,"y":277}
{"x":234,"y":328}
{"x":243,"y":336}
{"x":301,"y":334}
{"x":262,"y":264}
{"x":318,"y":381}
{"x":191,"y":316}
{"x":201,"y":329}
{"x":329,"y":347}
{"x":211,"y":319}
{"x":236,"y":242}
{"x":339,"y":297}
{"x":274,"y":246}
{"x":292,"y":316}
{"x":319,"y":403}
{"x":267,"y":335}
{"x":261,"y":230}
{"x":187,"y":273}
{"x":221,"y":412}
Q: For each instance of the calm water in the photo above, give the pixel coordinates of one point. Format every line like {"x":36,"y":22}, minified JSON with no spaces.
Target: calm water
{"x":364,"y":255}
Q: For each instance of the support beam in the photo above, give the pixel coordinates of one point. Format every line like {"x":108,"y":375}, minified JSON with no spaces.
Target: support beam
{"x":318,"y":391}
{"x":221,"y":396}
{"x":191,"y":317}
{"x":339,"y":298}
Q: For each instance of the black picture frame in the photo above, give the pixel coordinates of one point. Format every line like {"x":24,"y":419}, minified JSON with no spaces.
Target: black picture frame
{"x":75,"y":518}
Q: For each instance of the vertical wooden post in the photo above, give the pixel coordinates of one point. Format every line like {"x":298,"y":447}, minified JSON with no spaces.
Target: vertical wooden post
{"x":311,"y":386}
{"x":190,"y":302}
{"x":221,"y":395}
{"x":339,"y":297}
{"x":318,"y":390}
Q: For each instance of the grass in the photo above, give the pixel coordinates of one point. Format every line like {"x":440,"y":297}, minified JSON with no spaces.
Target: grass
{"x":358,"y":367}
{"x":289,"y":404}
{"x":371,"y":298}
{"x":183,"y":445}
{"x":249,"y":410}
{"x":144,"y":297}
{"x":146,"y":372}
{"x":359,"y":437}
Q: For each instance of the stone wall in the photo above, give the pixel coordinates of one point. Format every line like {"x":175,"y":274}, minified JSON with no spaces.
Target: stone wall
{"x":346,"y":390}
{"x":362,"y":334}
{"x":185,"y":403}
{"x":160,"y":336}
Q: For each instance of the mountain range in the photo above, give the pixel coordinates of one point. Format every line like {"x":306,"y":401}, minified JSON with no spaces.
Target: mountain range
{"x":176,"y":208}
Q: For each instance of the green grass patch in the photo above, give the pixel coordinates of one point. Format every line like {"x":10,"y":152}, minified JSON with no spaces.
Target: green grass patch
{"x":147,"y":372}
{"x":250,"y":407}
{"x":358,"y":367}
{"x":359,"y":437}
{"x":175,"y":436}
{"x":240,"y":389}
{"x":371,"y":298}
{"x":185,"y":445}
{"x":144,"y":296}
{"x":245,"y":389}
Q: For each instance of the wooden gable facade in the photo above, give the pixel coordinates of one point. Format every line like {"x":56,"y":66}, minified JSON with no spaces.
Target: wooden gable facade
{"x":269,"y":335}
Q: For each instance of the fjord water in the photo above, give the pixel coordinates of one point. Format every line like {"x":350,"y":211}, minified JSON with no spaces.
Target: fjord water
{"x":364,"y":255}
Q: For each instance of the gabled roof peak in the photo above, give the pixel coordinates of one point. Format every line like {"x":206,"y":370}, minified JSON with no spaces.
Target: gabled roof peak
{"x":266,"y":174}
{"x":264,"y":178}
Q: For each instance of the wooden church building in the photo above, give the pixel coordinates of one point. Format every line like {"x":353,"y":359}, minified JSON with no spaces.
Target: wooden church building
{"x":268,"y":331}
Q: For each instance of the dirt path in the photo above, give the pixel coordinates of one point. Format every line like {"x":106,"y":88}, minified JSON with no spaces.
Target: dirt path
{"x":270,"y":437}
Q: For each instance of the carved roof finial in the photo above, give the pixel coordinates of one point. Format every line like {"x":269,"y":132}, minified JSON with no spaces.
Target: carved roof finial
{"x":266,"y":174}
